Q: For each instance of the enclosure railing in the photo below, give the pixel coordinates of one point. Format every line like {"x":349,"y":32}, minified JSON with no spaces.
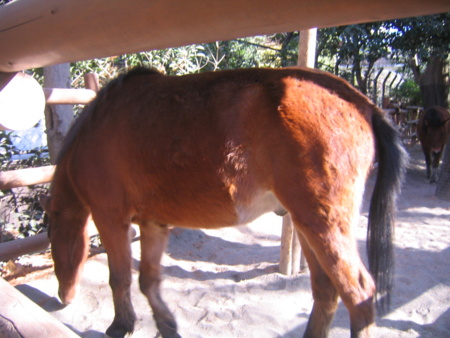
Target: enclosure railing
{"x":406,"y":119}
{"x":31,"y":176}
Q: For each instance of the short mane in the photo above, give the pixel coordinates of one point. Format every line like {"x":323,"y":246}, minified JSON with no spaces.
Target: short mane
{"x":88,"y":111}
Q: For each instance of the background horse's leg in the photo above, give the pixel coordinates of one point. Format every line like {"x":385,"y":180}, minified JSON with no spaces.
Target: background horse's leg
{"x":115,"y":238}
{"x":324,"y":293}
{"x":436,"y":157}
{"x":153,"y":244}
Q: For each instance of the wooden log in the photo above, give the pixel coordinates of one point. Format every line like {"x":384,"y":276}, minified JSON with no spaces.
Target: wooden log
{"x":24,"y":246}
{"x":68,"y":96}
{"x":26,"y":317}
{"x":22,"y":101}
{"x":37,"y":243}
{"x":36,"y":33}
{"x":23,"y":177}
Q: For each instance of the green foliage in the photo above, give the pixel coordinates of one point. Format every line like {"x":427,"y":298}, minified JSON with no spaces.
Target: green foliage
{"x":423,"y":36}
{"x":7,"y":149}
{"x":278,"y":50}
{"x":356,"y":46}
{"x":408,"y":93}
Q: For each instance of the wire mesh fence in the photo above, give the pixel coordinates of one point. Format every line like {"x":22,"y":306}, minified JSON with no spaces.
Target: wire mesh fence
{"x":20,"y":212}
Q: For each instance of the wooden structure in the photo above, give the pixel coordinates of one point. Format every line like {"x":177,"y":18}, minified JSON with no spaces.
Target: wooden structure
{"x":21,"y":317}
{"x":406,"y":119}
{"x":36,"y":33}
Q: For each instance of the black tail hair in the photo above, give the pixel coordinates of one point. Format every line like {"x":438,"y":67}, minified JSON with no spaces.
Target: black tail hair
{"x":392,"y":160}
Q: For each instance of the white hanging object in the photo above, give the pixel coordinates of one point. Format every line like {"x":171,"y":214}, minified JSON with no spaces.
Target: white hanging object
{"x":22,"y":102}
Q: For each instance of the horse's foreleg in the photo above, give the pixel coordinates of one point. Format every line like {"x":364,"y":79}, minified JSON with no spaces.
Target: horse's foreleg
{"x":70,"y":253}
{"x":153,"y":243}
{"x":436,"y":157}
{"x":324,"y":294}
{"x":116,"y":241}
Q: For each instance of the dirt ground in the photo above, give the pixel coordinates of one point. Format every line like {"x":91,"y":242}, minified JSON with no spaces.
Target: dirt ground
{"x":225,"y":283}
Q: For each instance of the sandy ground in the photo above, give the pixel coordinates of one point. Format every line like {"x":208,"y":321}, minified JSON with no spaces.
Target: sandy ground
{"x":225,"y":283}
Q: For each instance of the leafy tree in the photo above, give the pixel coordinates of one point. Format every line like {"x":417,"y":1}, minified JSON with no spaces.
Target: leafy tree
{"x":424,"y":44}
{"x":358,"y":46}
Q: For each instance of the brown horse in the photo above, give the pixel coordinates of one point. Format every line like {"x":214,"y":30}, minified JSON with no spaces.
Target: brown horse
{"x":220,"y":149}
{"x":433,"y":130}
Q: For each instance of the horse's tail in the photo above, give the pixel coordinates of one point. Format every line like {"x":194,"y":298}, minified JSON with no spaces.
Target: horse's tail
{"x":392,"y":160}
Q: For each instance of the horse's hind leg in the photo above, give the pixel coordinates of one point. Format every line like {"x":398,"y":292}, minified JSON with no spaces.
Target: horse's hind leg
{"x":324,"y":294}
{"x":153,"y":243}
{"x":336,"y":257}
{"x":115,"y":238}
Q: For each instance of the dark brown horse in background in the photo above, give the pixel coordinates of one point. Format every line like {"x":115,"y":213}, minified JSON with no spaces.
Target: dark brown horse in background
{"x":433,"y":130}
{"x":220,"y":149}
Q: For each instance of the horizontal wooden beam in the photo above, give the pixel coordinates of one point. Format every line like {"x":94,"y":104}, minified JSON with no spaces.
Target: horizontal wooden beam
{"x":24,"y":246}
{"x":36,"y":33}
{"x":68,"y":96}
{"x":23,"y":177}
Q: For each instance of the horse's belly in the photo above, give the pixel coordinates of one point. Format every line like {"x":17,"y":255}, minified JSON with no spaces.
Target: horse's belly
{"x":260,"y":204}
{"x":211,"y":211}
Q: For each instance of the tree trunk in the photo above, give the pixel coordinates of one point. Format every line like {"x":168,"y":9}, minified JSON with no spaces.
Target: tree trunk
{"x":58,"y":118}
{"x":433,"y":88}
{"x":443,"y":184}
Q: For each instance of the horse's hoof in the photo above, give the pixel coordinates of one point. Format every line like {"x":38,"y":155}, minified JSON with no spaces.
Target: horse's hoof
{"x":167,"y":328}
{"x":118,"y":331}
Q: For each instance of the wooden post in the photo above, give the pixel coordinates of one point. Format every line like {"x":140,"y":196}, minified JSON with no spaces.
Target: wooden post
{"x":307,"y":48}
{"x":58,"y":118}
{"x":291,"y":258}
{"x":91,"y":82}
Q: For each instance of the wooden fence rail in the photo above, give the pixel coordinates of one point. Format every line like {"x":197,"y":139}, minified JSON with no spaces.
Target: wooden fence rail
{"x":24,"y":177}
